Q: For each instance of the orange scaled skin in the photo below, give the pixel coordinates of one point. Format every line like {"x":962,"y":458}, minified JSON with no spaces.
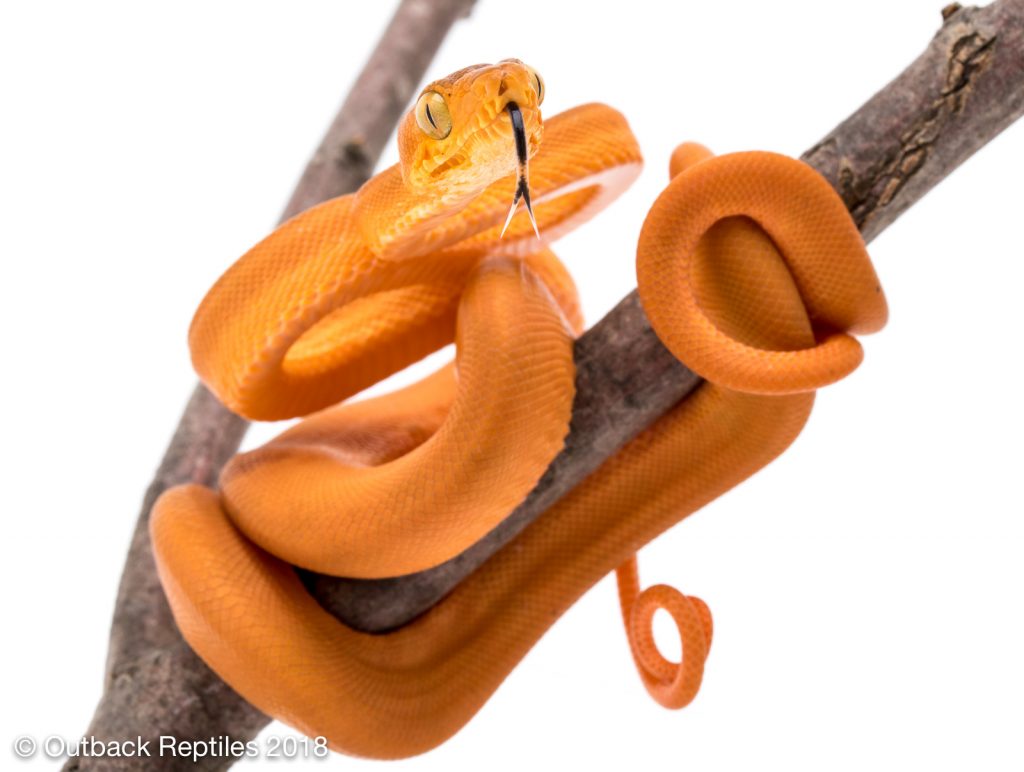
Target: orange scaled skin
{"x":361,"y":286}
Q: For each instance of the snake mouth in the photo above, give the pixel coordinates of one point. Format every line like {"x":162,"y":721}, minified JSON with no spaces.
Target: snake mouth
{"x":523,"y":178}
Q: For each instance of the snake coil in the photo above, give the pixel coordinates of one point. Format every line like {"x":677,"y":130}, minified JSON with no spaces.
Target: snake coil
{"x":750,"y":271}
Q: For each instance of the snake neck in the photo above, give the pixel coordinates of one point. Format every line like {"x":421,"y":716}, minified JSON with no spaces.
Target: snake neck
{"x":396,"y":221}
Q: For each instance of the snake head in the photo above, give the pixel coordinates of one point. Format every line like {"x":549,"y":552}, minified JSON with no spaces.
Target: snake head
{"x":459,"y":138}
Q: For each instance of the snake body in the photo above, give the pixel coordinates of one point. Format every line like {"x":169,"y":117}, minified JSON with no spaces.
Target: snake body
{"x":750,"y":271}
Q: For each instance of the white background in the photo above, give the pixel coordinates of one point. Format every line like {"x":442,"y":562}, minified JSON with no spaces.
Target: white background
{"x":866,"y":587}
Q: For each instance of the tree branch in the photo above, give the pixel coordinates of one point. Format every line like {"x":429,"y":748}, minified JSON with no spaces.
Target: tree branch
{"x":965,"y":88}
{"x":961,"y":92}
{"x":155,"y":685}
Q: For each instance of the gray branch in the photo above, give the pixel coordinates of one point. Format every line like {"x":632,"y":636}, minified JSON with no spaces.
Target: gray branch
{"x":965,"y":88}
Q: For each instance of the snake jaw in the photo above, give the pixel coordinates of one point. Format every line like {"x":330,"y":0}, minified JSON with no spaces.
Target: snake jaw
{"x":523,"y":182}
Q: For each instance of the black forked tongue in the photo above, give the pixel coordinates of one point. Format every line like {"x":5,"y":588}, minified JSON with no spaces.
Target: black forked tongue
{"x":523,"y":183}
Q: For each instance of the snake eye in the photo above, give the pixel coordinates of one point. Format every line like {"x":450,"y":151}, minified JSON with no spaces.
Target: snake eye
{"x":538,"y":83}
{"x":432,"y":115}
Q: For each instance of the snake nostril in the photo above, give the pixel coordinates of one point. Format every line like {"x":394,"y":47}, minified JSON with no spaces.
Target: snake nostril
{"x":502,"y":87}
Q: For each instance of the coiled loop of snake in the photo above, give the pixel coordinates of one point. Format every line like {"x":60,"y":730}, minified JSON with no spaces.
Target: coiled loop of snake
{"x":722,"y":227}
{"x":353,"y":290}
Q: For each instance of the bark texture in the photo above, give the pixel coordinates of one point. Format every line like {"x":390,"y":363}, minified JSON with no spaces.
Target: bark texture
{"x":965,"y":88}
{"x":155,"y":685}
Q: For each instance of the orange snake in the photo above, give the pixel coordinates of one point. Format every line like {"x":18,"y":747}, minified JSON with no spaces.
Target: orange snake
{"x":750,"y":271}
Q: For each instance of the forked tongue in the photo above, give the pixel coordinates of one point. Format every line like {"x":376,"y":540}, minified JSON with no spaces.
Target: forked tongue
{"x":523,"y":183}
